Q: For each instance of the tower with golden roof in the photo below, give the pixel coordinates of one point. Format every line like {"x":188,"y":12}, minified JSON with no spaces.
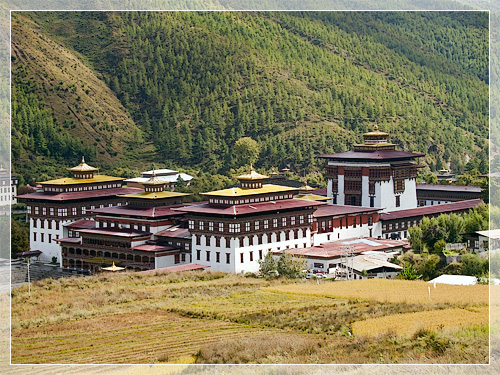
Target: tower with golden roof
{"x":67,"y":199}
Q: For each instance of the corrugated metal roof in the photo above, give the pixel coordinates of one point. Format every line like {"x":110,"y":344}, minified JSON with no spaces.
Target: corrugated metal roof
{"x":335,"y":210}
{"x":174,"y":232}
{"x":127,"y":210}
{"x":430,"y":210}
{"x":83,"y":224}
{"x":183,"y":267}
{"x":153,"y":248}
{"x":358,"y":245}
{"x":117,"y":232}
{"x":451,"y":188}
{"x":250,"y":208}
{"x":372,"y":155}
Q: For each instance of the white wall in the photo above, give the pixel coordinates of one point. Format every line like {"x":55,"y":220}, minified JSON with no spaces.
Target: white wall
{"x":346,"y":233}
{"x":169,"y":261}
{"x":236,"y":247}
{"x":52,"y":249}
{"x":385,"y":196}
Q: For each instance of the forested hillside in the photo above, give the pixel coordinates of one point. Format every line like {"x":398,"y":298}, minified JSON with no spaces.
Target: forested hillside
{"x":192,"y":83}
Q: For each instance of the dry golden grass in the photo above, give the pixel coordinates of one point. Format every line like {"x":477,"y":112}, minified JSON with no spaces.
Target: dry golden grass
{"x":394,"y":291}
{"x":149,"y":337}
{"x":408,"y":324}
{"x":135,"y":318}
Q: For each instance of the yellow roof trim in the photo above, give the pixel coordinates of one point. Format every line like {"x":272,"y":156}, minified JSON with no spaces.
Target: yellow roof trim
{"x":312,"y":197}
{"x":78,"y":181}
{"x":239,"y":192}
{"x":155,"y":195}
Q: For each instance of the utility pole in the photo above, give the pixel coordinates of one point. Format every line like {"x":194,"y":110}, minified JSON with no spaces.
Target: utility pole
{"x":29,"y":283}
{"x":346,"y":258}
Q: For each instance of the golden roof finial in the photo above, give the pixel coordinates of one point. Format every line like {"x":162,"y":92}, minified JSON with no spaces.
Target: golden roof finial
{"x":83,"y":167}
{"x":375,"y":127}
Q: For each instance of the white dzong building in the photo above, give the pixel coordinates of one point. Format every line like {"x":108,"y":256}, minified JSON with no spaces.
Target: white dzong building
{"x":64,"y":200}
{"x":238,"y":226}
{"x":373,"y":174}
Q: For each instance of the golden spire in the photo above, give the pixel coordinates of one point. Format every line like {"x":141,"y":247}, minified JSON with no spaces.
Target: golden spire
{"x":83,"y":167}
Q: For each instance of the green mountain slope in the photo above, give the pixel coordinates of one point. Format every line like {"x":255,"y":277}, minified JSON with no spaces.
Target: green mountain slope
{"x":61,"y":109}
{"x":302,"y":84}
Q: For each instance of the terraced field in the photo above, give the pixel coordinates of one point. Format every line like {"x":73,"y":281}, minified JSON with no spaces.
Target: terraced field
{"x":123,"y":338}
{"x":220,"y":318}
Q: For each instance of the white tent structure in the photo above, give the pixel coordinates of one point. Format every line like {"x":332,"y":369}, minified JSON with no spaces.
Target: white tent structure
{"x":454,"y":280}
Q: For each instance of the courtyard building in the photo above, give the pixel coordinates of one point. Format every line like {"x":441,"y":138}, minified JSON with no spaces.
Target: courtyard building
{"x":126,"y":234}
{"x":68,"y":199}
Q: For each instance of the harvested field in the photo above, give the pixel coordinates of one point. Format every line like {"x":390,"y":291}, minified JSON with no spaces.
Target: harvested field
{"x":212,"y":317}
{"x":395,"y":291}
{"x":409,"y":324}
{"x":123,"y":338}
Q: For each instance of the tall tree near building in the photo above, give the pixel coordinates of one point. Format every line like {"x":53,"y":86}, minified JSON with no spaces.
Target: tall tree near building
{"x":246,"y":151}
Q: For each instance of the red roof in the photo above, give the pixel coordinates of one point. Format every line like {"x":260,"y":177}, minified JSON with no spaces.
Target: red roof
{"x":251,"y":208}
{"x":183,"y":267}
{"x":358,"y":245}
{"x":81,"y":224}
{"x":78,"y":195}
{"x":372,"y":155}
{"x":431,"y":210}
{"x":153,"y":248}
{"x":130,"y":210}
{"x":126,"y":232}
{"x":337,"y":210}
{"x":321,"y":192}
{"x":174,"y":232}
{"x":451,"y":188}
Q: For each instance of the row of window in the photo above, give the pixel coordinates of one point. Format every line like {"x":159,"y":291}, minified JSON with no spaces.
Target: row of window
{"x":344,"y":222}
{"x":81,"y":188}
{"x":424,"y":203}
{"x":251,"y":185}
{"x":252,"y":240}
{"x":179,"y":258}
{"x":250,"y":225}
{"x":116,"y":224}
{"x":352,"y":186}
{"x":208,"y":256}
{"x":42,"y":224}
{"x":396,"y":226}
{"x":42,"y":237}
{"x":7,"y":198}
{"x":250,"y":200}
{"x":353,"y":173}
{"x":52,"y":211}
{"x":106,"y":243}
{"x":379,"y":173}
{"x":407,"y":172}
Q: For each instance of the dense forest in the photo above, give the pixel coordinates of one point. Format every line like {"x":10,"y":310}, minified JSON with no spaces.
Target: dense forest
{"x":190,"y":84}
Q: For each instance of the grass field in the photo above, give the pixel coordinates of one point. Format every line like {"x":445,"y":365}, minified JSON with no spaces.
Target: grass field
{"x":220,"y":318}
